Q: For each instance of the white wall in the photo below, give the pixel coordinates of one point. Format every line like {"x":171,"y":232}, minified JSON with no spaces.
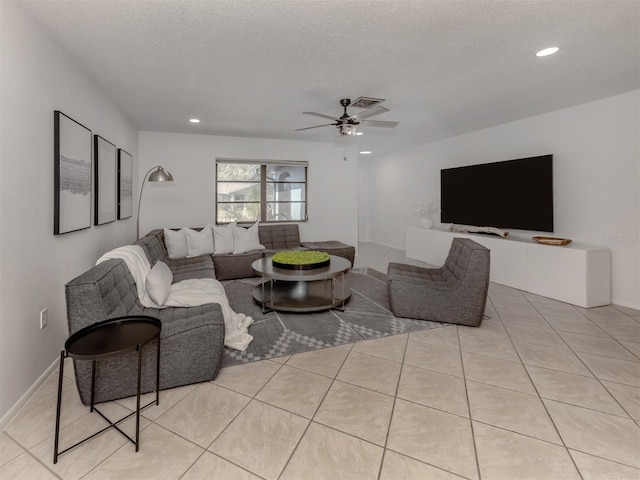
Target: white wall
{"x":189,"y":199}
{"x":596,"y":188}
{"x":36,"y":79}
{"x":364,"y":197}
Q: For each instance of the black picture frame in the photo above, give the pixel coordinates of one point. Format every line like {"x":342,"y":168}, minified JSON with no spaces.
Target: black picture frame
{"x":125,"y":184}
{"x":106,"y":181}
{"x":72,"y":170}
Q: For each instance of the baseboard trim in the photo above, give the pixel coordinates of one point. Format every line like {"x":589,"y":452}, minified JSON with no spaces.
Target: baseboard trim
{"x":622,"y":303}
{"x":13,"y":411}
{"x":394,"y":247}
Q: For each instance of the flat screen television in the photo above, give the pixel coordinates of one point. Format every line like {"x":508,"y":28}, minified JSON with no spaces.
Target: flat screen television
{"x":510,"y":194}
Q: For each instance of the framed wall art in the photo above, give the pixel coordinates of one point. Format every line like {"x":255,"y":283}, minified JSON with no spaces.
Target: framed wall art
{"x":105,"y":181}
{"x":125,"y":184}
{"x":72,"y":175}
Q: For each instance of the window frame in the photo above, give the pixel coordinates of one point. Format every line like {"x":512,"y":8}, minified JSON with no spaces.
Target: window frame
{"x":263,"y":182}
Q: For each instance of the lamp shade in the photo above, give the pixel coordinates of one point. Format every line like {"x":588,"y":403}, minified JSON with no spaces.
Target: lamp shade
{"x":160,"y":175}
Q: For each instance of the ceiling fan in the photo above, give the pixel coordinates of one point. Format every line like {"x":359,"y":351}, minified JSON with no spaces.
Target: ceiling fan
{"x":347,"y":124}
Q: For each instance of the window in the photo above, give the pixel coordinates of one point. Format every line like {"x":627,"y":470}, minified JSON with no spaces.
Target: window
{"x":266,"y":191}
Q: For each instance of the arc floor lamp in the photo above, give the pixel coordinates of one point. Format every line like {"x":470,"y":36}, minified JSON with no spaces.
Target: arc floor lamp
{"x":155,"y":174}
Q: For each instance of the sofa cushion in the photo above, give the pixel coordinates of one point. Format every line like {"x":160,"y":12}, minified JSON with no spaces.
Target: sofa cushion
{"x":196,"y":267}
{"x":176,"y":243}
{"x":223,"y":239}
{"x":246,"y":239}
{"x":158,"y":282}
{"x":412,"y":274}
{"x":199,"y":242}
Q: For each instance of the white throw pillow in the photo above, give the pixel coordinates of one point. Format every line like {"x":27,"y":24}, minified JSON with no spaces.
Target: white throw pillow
{"x":176,"y":243}
{"x":158,"y":282}
{"x":199,"y":243}
{"x":246,"y":239}
{"x":223,"y":239}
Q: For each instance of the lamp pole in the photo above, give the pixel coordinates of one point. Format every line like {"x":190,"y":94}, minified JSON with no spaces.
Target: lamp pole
{"x":159,"y":175}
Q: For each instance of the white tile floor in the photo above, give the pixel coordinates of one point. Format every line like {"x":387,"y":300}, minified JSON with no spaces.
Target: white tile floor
{"x":541,"y":390}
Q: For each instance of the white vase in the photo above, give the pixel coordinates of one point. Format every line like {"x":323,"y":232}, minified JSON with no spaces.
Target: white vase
{"x":426,"y":222}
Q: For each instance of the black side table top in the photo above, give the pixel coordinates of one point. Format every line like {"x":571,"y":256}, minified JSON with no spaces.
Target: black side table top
{"x":105,"y":339}
{"x":113,"y":337}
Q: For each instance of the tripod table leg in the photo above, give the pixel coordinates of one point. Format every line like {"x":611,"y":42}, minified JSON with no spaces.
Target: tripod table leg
{"x":55,"y":446}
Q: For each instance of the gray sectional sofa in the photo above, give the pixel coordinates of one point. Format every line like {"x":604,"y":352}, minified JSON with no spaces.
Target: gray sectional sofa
{"x":231,"y":266}
{"x":192,"y":338}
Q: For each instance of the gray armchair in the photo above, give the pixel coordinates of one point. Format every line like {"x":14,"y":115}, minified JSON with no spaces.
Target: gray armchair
{"x":454,"y":293}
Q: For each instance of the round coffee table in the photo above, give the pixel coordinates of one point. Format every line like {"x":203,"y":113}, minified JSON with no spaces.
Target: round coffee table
{"x":302,"y":290}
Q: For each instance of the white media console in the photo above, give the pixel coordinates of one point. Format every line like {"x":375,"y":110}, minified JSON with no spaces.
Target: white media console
{"x":575,"y":274}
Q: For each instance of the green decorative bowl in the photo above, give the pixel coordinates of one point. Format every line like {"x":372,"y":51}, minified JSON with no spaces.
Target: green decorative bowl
{"x":301,"y":260}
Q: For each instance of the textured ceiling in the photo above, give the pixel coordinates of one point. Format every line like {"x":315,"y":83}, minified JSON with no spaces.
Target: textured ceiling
{"x":251,"y":67}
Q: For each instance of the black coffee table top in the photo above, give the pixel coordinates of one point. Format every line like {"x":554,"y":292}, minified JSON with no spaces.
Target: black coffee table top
{"x":112,"y":337}
{"x":264,"y":267}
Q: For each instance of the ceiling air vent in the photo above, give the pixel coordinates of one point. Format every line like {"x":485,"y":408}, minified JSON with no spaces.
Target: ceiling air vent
{"x":366,"y":102}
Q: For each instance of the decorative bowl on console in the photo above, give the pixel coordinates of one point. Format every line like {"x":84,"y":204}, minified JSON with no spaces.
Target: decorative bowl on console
{"x":301,"y":260}
{"x":552,"y":241}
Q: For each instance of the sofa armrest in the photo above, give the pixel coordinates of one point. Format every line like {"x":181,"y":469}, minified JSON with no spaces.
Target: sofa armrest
{"x":153,"y":246}
{"x":333,"y":247}
{"x":192,"y":345}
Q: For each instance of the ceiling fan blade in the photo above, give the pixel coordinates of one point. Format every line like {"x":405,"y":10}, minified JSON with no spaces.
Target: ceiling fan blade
{"x":377,"y":110}
{"x":317,"y":126}
{"x":378,"y":123}
{"x":322,"y":116}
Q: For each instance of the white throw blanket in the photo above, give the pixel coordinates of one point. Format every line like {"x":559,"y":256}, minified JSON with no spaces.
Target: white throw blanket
{"x":199,"y":291}
{"x":188,"y":293}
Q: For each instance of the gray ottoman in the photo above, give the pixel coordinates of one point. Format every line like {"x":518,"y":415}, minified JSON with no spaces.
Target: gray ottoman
{"x":333,"y":247}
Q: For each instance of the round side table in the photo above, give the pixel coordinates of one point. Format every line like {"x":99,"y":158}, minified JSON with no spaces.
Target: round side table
{"x":107,"y":339}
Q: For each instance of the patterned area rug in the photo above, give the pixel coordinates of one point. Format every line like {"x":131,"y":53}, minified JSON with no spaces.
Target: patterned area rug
{"x":367,"y":315}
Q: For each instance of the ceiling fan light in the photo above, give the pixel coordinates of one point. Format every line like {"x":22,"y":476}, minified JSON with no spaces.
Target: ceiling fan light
{"x":347,"y":129}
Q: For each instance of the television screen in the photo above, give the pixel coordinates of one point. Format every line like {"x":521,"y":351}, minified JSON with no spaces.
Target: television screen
{"x":511,"y":194}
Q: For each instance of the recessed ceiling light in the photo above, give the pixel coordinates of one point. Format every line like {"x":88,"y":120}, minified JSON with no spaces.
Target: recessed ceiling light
{"x":365,"y":152}
{"x":194,"y":120}
{"x":547,"y":51}
{"x":359,"y":133}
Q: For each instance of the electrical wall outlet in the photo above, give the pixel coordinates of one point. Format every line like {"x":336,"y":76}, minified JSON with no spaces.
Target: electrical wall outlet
{"x":44,"y":317}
